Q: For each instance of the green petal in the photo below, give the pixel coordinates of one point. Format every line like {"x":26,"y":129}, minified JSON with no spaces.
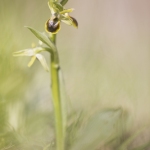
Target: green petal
{"x":67,"y":11}
{"x":31,"y":61}
{"x":42,"y":61}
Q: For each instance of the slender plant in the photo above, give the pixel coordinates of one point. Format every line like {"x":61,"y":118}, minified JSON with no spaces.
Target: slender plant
{"x":48,"y":43}
{"x":99,"y":129}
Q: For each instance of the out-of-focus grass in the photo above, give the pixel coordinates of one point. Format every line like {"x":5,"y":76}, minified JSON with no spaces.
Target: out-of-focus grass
{"x":105,"y":64}
{"x":22,"y":114}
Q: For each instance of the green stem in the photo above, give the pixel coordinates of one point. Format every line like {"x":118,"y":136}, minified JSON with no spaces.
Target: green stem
{"x":53,"y":38}
{"x":57,"y":99}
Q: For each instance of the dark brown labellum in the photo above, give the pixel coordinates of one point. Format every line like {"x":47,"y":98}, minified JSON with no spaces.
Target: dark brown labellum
{"x":74,"y":21}
{"x":53,"y":25}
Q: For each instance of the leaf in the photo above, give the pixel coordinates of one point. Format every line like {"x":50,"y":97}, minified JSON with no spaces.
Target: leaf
{"x":42,"y":61}
{"x":43,"y":38}
{"x":99,"y":130}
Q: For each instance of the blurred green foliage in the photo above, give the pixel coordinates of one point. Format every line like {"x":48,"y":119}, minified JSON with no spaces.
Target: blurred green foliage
{"x":20,"y":118}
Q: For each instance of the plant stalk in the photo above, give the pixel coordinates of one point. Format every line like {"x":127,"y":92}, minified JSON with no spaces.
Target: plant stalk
{"x":60,"y":118}
{"x":60,"y":137}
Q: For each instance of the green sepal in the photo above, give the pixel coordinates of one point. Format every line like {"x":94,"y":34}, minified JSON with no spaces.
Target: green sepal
{"x":29,"y":51}
{"x":50,"y":5}
{"x":58,"y":6}
{"x":63,"y":2}
{"x":43,"y":38}
{"x":33,"y":58}
{"x":42,"y":61}
{"x":55,"y":7}
{"x":26,"y":52}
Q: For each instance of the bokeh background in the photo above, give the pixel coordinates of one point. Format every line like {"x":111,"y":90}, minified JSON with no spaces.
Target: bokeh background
{"x":105,"y":62}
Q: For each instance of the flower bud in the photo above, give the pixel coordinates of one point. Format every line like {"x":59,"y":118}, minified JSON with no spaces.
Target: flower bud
{"x":74,"y":22}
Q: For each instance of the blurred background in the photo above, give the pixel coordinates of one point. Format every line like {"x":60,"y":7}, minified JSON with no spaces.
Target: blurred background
{"x":105,"y":63}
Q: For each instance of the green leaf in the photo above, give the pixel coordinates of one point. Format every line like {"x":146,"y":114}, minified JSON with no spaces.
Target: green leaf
{"x":100,"y":129}
{"x":43,"y":38}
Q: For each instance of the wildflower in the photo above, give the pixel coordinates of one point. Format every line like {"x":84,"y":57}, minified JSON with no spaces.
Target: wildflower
{"x":34,"y":54}
{"x":59,"y":14}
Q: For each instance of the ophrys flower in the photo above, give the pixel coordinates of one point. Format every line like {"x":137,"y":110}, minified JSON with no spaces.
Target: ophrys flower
{"x":59,"y":14}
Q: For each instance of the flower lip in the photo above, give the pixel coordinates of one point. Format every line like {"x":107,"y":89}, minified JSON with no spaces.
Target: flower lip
{"x":53,"y":25}
{"x":75,"y":23}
